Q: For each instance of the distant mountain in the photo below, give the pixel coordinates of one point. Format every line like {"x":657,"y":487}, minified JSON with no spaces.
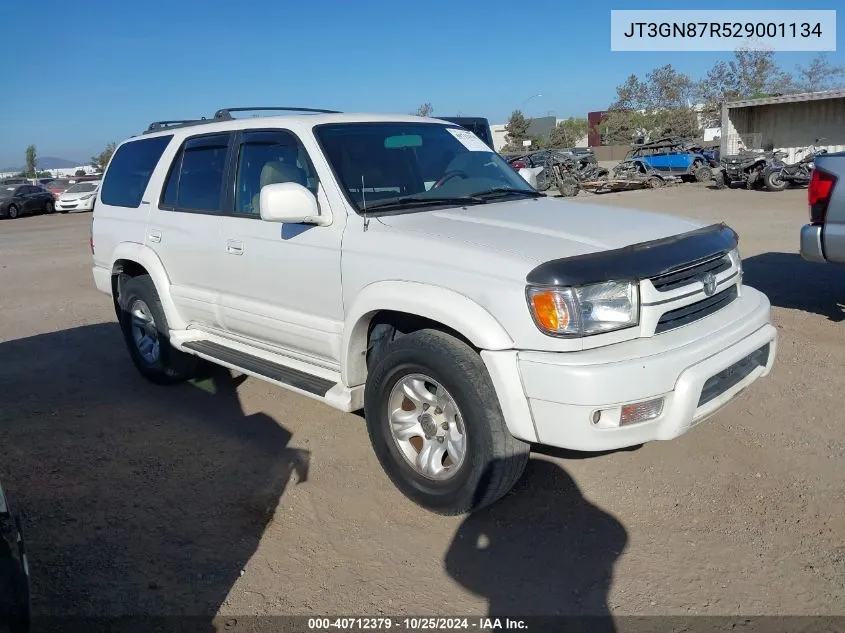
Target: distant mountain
{"x":49,"y":162}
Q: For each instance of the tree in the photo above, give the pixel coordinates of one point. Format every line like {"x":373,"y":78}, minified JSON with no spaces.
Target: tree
{"x":751,"y":74}
{"x":516,"y":131}
{"x":79,"y":172}
{"x":31,"y":161}
{"x":568,"y":133}
{"x":101,"y":160}
{"x":820,"y":74}
{"x":426,"y":109}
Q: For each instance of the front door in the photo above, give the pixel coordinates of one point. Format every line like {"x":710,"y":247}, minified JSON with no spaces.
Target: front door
{"x":280,"y":283}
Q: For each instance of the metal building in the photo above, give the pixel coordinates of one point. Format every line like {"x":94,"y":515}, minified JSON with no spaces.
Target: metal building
{"x":788,"y":122}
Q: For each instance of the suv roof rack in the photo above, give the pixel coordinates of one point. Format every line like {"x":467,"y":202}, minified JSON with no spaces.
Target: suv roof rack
{"x":156,"y":126}
{"x":225,"y":114}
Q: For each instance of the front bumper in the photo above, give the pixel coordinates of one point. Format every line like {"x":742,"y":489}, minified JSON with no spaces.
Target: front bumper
{"x":811,"y":244}
{"x":558,"y":394}
{"x":70,"y":206}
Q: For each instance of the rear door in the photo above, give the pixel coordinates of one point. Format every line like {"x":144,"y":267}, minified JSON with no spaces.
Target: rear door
{"x":184,"y":225}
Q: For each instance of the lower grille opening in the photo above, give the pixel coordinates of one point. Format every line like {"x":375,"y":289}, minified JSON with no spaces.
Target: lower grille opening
{"x":733,"y":375}
{"x":682,"y":316}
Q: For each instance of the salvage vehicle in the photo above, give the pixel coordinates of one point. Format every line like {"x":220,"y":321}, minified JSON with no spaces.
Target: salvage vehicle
{"x":823,"y":238}
{"x":14,"y":572}
{"x":78,"y":197}
{"x":747,"y":167}
{"x":778,"y":176}
{"x":396,"y":264}
{"x":673,"y":157}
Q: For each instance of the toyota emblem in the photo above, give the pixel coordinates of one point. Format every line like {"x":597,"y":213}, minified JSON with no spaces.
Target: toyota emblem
{"x":709,"y":281}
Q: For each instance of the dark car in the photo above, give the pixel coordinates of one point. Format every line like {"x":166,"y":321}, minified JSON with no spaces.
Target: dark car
{"x":14,"y":573}
{"x":17,"y":200}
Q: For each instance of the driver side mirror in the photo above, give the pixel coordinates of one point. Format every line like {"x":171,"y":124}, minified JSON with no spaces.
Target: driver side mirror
{"x":289,"y":203}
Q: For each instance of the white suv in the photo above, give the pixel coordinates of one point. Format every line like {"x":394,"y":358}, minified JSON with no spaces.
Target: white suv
{"x":397,"y":264}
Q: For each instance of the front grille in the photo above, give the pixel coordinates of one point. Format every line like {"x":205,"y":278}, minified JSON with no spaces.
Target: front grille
{"x":733,"y":375}
{"x":691,"y":273}
{"x":695,"y":311}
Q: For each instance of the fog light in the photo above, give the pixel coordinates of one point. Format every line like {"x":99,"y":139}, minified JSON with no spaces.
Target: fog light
{"x":628,"y":414}
{"x":641,"y":411}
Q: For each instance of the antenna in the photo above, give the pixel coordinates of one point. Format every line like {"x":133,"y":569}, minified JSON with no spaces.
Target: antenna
{"x":364,"y":199}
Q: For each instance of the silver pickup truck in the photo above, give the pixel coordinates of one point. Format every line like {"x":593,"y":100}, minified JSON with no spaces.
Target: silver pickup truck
{"x":823,"y":239}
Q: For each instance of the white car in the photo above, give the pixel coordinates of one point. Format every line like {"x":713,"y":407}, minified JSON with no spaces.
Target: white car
{"x":397,"y":264}
{"x":78,"y":197}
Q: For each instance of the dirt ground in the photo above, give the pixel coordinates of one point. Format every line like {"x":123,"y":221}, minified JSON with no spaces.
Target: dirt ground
{"x":235,"y":497}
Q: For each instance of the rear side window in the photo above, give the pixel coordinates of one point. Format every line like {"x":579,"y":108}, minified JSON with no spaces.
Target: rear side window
{"x":130,"y":169}
{"x":195,"y":181}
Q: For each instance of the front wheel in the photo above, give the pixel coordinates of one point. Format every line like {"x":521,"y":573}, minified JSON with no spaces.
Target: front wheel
{"x":12,"y":212}
{"x":774,"y":181}
{"x":49,"y":208}
{"x":435,"y":424}
{"x":702,"y":173}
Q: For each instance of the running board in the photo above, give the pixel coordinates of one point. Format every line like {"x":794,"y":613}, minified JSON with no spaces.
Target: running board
{"x":311,"y":381}
{"x":268,"y":369}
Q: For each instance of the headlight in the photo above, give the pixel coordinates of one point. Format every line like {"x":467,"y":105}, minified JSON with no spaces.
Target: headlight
{"x":87,"y":197}
{"x":585,"y":310}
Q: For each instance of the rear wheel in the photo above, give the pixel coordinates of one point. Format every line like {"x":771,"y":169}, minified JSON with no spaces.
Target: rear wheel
{"x":435,"y":424}
{"x":146,"y":334}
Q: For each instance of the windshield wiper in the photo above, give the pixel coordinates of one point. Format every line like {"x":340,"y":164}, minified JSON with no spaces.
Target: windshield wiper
{"x":416,"y":201}
{"x":501,"y":192}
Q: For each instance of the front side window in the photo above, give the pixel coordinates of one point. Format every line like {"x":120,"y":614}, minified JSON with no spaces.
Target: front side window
{"x":129,"y":171}
{"x":268,"y":157}
{"x":195,"y":181}
{"x":389,"y":166}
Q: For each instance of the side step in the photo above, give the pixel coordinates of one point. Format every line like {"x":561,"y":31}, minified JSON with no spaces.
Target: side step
{"x":268,"y":369}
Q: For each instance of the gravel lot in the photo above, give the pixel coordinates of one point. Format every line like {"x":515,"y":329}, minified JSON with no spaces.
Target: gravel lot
{"x":234,"y":497}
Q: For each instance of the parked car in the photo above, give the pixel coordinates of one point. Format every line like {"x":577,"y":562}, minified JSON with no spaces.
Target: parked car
{"x":426,"y":283}
{"x":14,"y":572}
{"x":78,"y":197}
{"x":823,"y":238}
{"x":673,"y":157}
{"x":14,"y":181}
{"x":779,"y":175}
{"x":58,"y":186}
{"x":17,"y":200}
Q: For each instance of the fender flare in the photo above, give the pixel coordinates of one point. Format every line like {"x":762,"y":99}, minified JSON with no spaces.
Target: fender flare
{"x":445,"y":306}
{"x":147,"y":258}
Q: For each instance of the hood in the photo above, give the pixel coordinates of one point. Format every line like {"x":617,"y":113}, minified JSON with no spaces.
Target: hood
{"x":76,"y":195}
{"x":544,"y":228}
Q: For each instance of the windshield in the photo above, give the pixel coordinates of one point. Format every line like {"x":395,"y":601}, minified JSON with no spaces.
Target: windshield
{"x":415,"y":165}
{"x":82,"y":187}
{"x":57,"y":184}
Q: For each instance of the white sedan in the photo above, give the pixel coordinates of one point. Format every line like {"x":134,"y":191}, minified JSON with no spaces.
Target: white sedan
{"x":78,"y":197}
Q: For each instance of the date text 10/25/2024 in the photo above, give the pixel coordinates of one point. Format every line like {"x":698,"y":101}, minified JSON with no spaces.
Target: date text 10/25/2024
{"x":403,"y":624}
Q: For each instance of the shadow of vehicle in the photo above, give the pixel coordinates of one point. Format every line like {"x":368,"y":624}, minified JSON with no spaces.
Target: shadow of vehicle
{"x":543,"y":550}
{"x":792,"y":282}
{"x":136,"y":499}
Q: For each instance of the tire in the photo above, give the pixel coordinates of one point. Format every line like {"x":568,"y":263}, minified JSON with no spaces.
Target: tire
{"x":162,"y":364}
{"x":702,"y":174}
{"x":49,"y":208}
{"x":12,"y":212}
{"x":492,"y":459}
{"x":568,"y":187}
{"x":719,"y":180}
{"x":773,"y":181}
{"x":654,"y":182}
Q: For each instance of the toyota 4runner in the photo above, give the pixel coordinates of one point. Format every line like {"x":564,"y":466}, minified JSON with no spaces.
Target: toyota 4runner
{"x":396,"y":264}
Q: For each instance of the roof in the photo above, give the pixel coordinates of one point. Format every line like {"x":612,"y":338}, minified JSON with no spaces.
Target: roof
{"x":295,"y":122}
{"x":793,"y":98}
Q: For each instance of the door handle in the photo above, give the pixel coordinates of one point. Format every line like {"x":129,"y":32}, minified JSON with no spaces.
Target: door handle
{"x":155,"y":236}
{"x":235,"y":247}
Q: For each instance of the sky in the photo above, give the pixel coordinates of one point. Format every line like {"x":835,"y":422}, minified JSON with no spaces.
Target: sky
{"x":102,"y":70}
